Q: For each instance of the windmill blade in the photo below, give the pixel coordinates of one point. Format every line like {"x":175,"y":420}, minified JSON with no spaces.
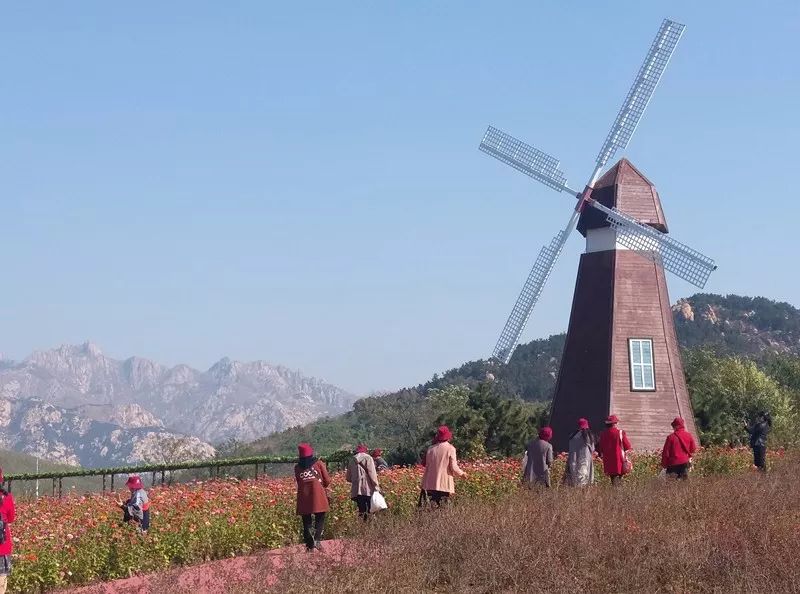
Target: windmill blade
{"x":642,"y":90}
{"x":523,"y":157}
{"x":527,"y":299}
{"x":679,"y":259}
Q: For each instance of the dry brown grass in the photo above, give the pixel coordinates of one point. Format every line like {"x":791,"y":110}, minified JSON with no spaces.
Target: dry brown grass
{"x":725,"y":534}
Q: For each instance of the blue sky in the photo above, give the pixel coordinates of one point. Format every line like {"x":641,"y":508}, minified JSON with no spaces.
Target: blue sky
{"x":301,"y":182}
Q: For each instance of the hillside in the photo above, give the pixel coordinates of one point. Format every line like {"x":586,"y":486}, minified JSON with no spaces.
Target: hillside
{"x":753,"y":327}
{"x":18,"y":463}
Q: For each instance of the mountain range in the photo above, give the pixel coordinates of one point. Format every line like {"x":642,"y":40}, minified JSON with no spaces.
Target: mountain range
{"x":73,"y":404}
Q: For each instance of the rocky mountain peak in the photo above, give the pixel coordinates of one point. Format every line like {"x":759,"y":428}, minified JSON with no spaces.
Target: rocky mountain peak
{"x":92,"y":350}
{"x":142,"y":373}
{"x":225,"y":369}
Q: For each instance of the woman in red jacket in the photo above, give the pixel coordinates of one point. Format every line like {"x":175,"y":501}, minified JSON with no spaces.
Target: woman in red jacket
{"x":312,"y":479}
{"x":7,"y":514}
{"x":676,"y":457}
{"x":612,"y":448}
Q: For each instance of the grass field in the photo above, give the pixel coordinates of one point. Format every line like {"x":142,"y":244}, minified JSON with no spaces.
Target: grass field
{"x":714,"y":534}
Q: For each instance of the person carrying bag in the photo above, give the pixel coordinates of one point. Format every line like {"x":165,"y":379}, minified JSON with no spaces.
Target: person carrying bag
{"x":612,"y":448}
{"x":676,"y":456}
{"x":363,"y":479}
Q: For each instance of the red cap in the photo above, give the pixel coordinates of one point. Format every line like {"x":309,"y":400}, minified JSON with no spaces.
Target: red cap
{"x":612,"y":420}
{"x":377,"y":453}
{"x":443,"y":434}
{"x":583,"y":424}
{"x":134,"y":482}
{"x":678,"y":423}
{"x":362,"y":448}
{"x":304,"y":450}
{"x":545,"y":433}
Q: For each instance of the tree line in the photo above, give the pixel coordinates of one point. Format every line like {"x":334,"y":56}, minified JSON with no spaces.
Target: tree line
{"x":725,"y":391}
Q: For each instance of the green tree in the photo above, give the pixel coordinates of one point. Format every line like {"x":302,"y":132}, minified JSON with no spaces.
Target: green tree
{"x":726,"y":391}
{"x":784,"y":369}
{"x":451,"y":405}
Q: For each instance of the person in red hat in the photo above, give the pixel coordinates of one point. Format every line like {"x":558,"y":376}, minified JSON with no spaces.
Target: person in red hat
{"x":580,"y":460}
{"x":441,"y":465}
{"x":312,"y":478}
{"x":380,"y":463}
{"x":539,"y":459}
{"x":613,"y":448}
{"x":137,"y":507}
{"x":363,"y":479}
{"x":8,"y":512}
{"x":676,"y":457}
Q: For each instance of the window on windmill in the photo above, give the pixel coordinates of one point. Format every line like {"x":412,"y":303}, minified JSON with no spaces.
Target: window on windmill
{"x":640,"y":352}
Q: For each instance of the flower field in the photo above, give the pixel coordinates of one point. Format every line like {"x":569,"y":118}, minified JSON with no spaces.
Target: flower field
{"x":79,"y":539}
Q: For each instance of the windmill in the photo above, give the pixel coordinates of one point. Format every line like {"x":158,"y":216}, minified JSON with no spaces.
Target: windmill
{"x":616,"y":335}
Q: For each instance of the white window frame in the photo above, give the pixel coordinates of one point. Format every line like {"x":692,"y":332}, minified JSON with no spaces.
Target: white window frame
{"x":648,"y":369}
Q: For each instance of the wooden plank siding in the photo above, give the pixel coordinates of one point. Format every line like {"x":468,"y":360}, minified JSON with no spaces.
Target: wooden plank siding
{"x":642,"y":310}
{"x":625,"y":188}
{"x":582,"y":387}
{"x":619,"y":295}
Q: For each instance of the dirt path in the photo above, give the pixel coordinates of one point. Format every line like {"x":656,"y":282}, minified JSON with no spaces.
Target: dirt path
{"x":260,"y":569}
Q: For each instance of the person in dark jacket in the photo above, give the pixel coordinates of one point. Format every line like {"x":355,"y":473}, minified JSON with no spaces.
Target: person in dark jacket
{"x":676,"y":456}
{"x":539,"y":459}
{"x":758,"y":439}
{"x":312,"y":478}
{"x":380,"y":462}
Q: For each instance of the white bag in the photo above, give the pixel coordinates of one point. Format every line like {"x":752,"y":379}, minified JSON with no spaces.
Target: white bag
{"x":377,"y":503}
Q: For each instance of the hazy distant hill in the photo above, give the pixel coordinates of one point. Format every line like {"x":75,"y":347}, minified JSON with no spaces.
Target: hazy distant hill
{"x":747,"y":326}
{"x":73,"y":404}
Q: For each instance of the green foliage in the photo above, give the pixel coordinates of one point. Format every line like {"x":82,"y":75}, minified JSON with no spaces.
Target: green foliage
{"x":484,"y":422}
{"x":729,"y":391}
{"x":785,"y":370}
{"x":509,"y":423}
{"x":455,"y":408}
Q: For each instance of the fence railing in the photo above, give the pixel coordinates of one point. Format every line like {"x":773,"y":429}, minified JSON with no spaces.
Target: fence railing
{"x":213,"y":465}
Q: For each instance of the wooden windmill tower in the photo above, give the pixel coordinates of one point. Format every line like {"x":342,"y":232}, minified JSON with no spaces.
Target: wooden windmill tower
{"x":621,"y":354}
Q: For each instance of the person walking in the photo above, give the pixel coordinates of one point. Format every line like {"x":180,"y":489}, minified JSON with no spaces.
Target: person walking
{"x":8,"y":512}
{"x":363,"y":479}
{"x":312,"y":478}
{"x":613,"y":448}
{"x":539,"y":459}
{"x":441,"y":465}
{"x":580,"y":460}
{"x":380,"y":463}
{"x":137,"y":507}
{"x":676,"y":456}
{"x":758,"y":439}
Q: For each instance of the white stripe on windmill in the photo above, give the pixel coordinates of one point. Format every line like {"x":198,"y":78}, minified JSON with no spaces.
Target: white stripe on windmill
{"x":674,"y":256}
